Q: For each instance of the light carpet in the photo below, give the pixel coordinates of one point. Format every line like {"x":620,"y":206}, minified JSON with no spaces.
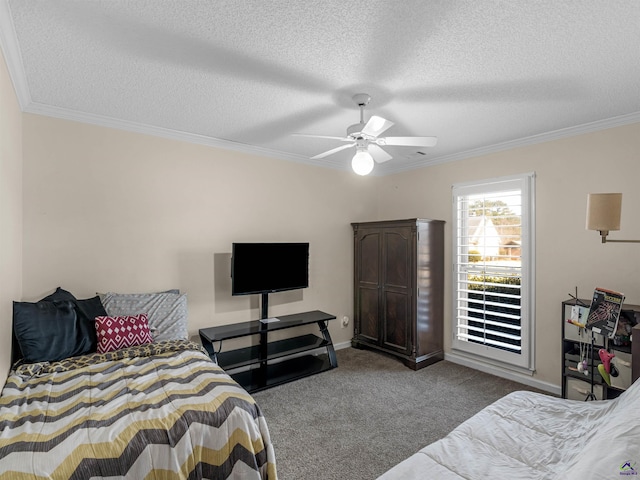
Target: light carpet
{"x":358,"y":420}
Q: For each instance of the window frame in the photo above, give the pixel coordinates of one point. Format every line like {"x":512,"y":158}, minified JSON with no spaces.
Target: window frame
{"x":525,"y":360}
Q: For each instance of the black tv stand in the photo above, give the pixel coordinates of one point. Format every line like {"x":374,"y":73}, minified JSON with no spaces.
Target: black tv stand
{"x":265,"y":365}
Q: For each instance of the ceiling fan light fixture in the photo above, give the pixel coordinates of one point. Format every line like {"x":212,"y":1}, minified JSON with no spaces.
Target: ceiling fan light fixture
{"x":366,"y":138}
{"x":362,"y":162}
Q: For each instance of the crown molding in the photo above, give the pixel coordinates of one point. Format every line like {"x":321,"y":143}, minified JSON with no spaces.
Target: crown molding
{"x":388,"y":168}
{"x":134,"y":127}
{"x":12,"y":56}
{"x":590,"y":127}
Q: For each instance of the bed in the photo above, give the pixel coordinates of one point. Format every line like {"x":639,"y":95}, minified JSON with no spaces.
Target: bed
{"x":158,"y":410}
{"x":527,"y":435}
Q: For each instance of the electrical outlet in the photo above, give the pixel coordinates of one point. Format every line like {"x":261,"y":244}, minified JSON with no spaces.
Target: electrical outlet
{"x":345,"y":321}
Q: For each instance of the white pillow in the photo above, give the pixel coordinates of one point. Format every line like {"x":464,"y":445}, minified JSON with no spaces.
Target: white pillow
{"x":167,"y":311}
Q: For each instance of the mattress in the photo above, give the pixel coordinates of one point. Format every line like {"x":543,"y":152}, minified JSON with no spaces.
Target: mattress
{"x":527,"y":435}
{"x":162,"y":410}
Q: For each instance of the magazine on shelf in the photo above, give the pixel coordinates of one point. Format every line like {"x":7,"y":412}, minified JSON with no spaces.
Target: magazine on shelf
{"x":604,"y":312}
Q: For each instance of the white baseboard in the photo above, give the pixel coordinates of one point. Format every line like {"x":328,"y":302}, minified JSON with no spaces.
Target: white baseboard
{"x":503,"y":373}
{"x":341,"y":345}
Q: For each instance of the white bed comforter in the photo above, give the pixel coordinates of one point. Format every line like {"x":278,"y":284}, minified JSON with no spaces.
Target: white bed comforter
{"x":526,"y":435}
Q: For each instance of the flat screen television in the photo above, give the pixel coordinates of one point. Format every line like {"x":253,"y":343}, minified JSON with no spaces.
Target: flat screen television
{"x":269,"y":267}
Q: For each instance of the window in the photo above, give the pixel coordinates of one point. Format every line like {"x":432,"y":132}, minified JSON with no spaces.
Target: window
{"x":493,"y":235}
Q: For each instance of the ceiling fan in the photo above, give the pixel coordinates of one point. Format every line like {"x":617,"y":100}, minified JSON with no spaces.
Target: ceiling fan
{"x":365,"y":137}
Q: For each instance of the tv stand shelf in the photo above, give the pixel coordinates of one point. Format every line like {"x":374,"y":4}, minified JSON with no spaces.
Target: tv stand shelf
{"x":260,"y":371}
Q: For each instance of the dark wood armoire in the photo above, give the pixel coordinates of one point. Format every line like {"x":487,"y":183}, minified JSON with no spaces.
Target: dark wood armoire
{"x":399,"y":289}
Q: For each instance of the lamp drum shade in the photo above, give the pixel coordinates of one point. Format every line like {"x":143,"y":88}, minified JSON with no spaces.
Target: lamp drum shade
{"x":603,"y":211}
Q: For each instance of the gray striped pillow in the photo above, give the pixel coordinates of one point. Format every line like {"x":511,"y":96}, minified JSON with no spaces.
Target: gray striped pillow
{"x":167,"y":311}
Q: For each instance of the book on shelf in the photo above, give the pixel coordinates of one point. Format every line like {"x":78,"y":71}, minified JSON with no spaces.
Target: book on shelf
{"x":604,"y":312}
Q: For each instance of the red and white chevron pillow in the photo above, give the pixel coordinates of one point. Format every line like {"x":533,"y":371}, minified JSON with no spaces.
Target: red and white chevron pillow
{"x":115,"y":333}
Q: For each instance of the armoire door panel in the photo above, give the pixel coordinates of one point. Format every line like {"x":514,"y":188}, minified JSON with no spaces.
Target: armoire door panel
{"x":397,"y":258}
{"x":396,"y":323}
{"x":369,"y":315}
{"x":369,"y":247}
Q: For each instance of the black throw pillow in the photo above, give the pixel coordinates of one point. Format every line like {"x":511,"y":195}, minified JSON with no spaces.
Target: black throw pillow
{"x":87,"y":310}
{"x":48,"y":331}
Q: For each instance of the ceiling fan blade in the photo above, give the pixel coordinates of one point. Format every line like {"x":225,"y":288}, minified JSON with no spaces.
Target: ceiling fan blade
{"x":342,"y":139}
{"x":408,"y":141}
{"x":376,"y":125}
{"x":378,"y":154}
{"x":332,"y":151}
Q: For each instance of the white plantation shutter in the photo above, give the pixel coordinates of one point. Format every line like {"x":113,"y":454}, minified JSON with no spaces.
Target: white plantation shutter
{"x":493,"y":269}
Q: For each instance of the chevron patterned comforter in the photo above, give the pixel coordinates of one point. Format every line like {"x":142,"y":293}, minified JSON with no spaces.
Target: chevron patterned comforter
{"x":160,"y":411}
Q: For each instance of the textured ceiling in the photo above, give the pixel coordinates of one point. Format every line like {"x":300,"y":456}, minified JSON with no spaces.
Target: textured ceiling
{"x":479,"y":75}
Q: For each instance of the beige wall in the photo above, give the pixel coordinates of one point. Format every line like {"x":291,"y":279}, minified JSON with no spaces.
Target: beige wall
{"x":10,"y":211}
{"x":111,"y":210}
{"x":107,"y":210}
{"x":567,"y":255}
